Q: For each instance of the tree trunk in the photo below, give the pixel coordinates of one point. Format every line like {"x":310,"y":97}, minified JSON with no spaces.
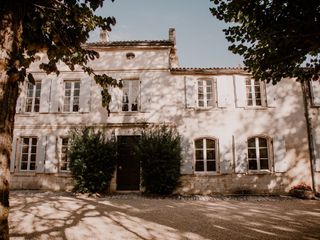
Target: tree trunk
{"x":9,"y":91}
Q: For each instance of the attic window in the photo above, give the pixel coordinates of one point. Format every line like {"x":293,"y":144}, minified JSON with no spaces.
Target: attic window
{"x":130,"y":55}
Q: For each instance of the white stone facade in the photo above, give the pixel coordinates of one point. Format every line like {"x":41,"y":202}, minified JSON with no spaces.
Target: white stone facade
{"x":207,"y":106}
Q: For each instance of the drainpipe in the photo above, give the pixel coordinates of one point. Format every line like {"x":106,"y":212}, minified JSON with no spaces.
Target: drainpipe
{"x":306,"y":101}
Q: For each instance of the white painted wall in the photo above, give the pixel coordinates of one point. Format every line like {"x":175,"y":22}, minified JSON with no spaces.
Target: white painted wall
{"x":171,"y":98}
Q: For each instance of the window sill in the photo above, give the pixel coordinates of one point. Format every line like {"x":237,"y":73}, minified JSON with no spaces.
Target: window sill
{"x":126,"y":113}
{"x":206,"y":173}
{"x":253,"y":172}
{"x":26,"y":173}
{"x":256,"y":108}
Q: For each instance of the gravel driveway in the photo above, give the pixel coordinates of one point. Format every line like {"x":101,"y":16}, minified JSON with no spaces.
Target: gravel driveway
{"x":47,"y":215}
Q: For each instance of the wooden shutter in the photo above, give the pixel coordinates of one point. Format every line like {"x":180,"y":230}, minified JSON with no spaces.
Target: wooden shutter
{"x":315,"y":92}
{"x":57,"y":95}
{"x":241,"y":161}
{"x":191,"y":92}
{"x":14,"y":155}
{"x":187,"y":156}
{"x":85,"y":94}
{"x":22,"y":97}
{"x":240,"y":85}
{"x":279,"y":154}
{"x":271,"y":95}
{"x":116,"y":99}
{"x":45,"y":95}
{"x":224,"y":90}
{"x":51,"y":163}
{"x":225,"y":156}
{"x":316,"y":146}
{"x":41,"y":154}
{"x":145,"y":97}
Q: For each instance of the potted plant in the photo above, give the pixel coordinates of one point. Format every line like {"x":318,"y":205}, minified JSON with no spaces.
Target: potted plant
{"x":302,"y":191}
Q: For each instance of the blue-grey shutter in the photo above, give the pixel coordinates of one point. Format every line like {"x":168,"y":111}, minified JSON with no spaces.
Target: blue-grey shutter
{"x":116,"y":99}
{"x":22,"y":97}
{"x":51,"y":161}
{"x":241,"y":161}
{"x":224,"y":91}
{"x":85,"y":96}
{"x":57,"y":95}
{"x":41,"y":152}
{"x":191,"y":92}
{"x":271,"y":95}
{"x":14,"y":153}
{"x":225,"y":157}
{"x":279,"y":154}
{"x":45,"y":95}
{"x":240,"y":85}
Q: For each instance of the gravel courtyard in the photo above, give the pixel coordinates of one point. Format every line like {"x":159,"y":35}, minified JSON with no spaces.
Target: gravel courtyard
{"x":47,"y":215}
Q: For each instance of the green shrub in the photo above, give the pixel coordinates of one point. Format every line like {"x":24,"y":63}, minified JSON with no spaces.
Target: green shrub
{"x":92,"y":160}
{"x":159,"y":152}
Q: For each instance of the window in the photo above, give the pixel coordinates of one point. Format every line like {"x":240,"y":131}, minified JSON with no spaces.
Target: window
{"x":205,"y":93}
{"x":33,"y":97}
{"x":130,"y":98}
{"x":258,"y":153}
{"x":28,"y":154}
{"x":71,"y":96}
{"x":205,"y":155}
{"x":255,"y":92}
{"x":64,"y":160}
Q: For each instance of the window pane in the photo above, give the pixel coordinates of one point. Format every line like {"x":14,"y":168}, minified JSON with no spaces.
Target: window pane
{"x":25,"y":149}
{"x":67,"y":85}
{"x":211,"y":165}
{"x":199,"y":166}
{"x":264,"y":164}
{"x":77,"y":85}
{"x":210,"y":143}
{"x":262,"y":142}
{"x":33,"y":158}
{"x":251,"y":142}
{"x":33,"y":149}
{"x":32,"y":166}
{"x":34,"y":141}
{"x":68,"y":93}
{"x":258,"y":102}
{"x":26,"y":141}
{"x":199,"y":143}
{"x":250,"y":103}
{"x":201,"y":103}
{"x":24,"y":158}
{"x":199,"y":154}
{"x":263,"y":153}
{"x":252,"y":153}
{"x":24,"y":165}
{"x":76,"y":93}
{"x":252,"y":164}
{"x":211,"y":154}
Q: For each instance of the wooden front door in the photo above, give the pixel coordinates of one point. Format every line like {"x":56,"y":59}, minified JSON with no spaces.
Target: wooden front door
{"x":128,"y":169}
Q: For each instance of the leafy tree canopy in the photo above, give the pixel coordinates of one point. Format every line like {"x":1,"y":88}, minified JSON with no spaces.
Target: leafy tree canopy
{"x":277,"y":38}
{"x":59,"y":27}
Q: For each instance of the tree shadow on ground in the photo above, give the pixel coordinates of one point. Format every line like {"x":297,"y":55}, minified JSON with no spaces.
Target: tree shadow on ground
{"x":36,"y":215}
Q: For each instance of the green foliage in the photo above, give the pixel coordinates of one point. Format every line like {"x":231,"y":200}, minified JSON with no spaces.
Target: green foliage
{"x":275,"y":38}
{"x":92,"y":160}
{"x":159,"y":151}
{"x":59,"y":28}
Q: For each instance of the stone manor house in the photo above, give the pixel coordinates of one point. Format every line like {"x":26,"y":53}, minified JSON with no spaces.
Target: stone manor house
{"x":238,"y":134}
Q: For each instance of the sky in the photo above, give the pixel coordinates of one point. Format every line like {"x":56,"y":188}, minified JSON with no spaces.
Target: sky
{"x":200,"y":40}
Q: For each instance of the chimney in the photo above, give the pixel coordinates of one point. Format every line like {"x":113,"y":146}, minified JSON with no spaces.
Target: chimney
{"x":172,"y":35}
{"x":104,"y":36}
